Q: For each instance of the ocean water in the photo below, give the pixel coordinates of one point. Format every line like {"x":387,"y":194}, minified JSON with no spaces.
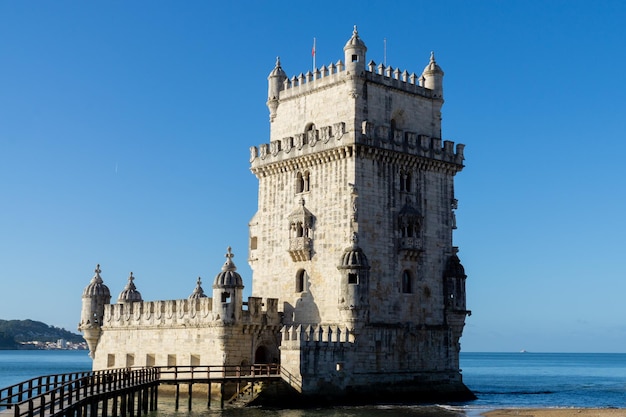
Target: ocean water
{"x":592,"y":380}
{"x":499,"y":380}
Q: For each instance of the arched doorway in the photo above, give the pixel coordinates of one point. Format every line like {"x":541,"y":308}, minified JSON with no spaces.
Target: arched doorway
{"x":262,"y":355}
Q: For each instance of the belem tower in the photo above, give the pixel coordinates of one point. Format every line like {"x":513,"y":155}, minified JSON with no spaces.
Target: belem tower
{"x":358,"y":291}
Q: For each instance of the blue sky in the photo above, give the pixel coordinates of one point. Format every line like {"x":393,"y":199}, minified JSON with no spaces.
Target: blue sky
{"x":125,"y":128}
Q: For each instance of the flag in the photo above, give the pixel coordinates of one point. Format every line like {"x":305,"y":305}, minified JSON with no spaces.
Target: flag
{"x":313,"y":49}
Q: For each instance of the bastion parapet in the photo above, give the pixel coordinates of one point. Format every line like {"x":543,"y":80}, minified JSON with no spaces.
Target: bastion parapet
{"x":185,"y":312}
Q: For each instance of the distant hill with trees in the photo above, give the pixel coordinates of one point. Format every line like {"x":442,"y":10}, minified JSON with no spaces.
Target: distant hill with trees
{"x":15,"y":332}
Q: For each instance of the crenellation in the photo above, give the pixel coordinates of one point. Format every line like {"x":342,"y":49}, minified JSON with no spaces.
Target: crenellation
{"x":376,"y":135}
{"x":315,"y":335}
{"x":181,"y":312}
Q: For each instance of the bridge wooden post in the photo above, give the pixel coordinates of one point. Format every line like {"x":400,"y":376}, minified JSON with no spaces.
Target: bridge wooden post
{"x":123,"y":406}
{"x":114,"y":406}
{"x":190,"y":398}
{"x":222,"y":389}
{"x":145,"y":392}
{"x":131,"y":403}
{"x":208,"y":397}
{"x":177,"y":397}
{"x":93,"y":409}
{"x":105,"y":406}
{"x":139,"y":401}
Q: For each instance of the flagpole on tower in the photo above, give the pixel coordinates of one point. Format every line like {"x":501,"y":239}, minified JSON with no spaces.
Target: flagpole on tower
{"x":385,"y":52}
{"x":313,"y":53}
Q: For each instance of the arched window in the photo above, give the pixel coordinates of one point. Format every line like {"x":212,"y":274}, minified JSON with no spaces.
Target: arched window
{"x":405,"y":181}
{"x":407,"y":282}
{"x":302,"y":182}
{"x":301,"y":278}
{"x":299,"y":183}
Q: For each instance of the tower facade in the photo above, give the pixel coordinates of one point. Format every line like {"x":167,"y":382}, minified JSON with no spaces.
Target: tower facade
{"x":353,"y":232}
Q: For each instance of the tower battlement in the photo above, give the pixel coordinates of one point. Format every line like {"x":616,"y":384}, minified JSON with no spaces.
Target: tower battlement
{"x":315,"y":335}
{"x":326,"y":76}
{"x":379,"y":136}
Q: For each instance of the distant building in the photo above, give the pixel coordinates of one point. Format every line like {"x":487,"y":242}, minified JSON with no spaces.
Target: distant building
{"x":352,"y":240}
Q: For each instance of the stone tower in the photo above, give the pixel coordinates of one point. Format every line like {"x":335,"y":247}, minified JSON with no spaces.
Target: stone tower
{"x":353,"y":232}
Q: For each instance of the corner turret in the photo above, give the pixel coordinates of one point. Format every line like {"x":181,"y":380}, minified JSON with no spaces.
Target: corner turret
{"x":354,"y":291}
{"x":227,"y":292}
{"x":354,"y":53}
{"x":95,"y":296}
{"x":432,"y":77}
{"x":275,"y":82}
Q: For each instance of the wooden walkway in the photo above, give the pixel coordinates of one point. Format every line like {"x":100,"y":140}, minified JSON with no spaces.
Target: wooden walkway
{"x":120,"y":392}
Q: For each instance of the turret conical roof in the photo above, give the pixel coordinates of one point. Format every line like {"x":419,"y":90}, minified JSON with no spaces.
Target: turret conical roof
{"x":198,"y":292}
{"x":278,"y":70}
{"x":432,"y":66}
{"x":229,"y":276}
{"x":96,"y":287}
{"x":129,"y":294}
{"x":354,"y":257}
{"x":355,"y":41}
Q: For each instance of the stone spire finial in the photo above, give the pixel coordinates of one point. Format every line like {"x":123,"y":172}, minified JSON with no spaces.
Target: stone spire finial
{"x":198,"y":292}
{"x":355,"y":239}
{"x":229,"y":265}
{"x":96,"y":278}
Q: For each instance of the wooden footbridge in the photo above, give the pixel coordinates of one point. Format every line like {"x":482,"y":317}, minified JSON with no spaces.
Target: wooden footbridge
{"x":125,"y":392}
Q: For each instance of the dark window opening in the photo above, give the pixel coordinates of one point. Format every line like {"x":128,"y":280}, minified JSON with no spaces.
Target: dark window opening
{"x":353,"y":278}
{"x":225,"y":297}
{"x":406,"y":282}
{"x":300,"y":280}
{"x":405,"y":181}
{"x":355,"y":58}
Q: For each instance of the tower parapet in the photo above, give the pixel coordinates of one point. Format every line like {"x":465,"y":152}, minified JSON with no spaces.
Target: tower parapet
{"x":329,"y":139}
{"x":326,"y":76}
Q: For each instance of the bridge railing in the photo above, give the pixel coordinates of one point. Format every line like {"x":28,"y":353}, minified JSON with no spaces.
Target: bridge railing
{"x":49,"y":395}
{"x":52,"y":400}
{"x":219,"y":372}
{"x":36,"y":386}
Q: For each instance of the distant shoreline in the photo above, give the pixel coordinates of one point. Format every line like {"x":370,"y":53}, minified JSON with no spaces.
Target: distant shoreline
{"x":40,"y":348}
